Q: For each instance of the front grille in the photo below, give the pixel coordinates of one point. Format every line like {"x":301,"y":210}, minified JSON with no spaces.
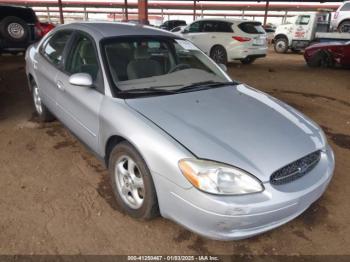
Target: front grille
{"x":296,"y":169}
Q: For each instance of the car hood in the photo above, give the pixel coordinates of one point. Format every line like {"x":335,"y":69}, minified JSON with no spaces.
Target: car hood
{"x":236,"y":125}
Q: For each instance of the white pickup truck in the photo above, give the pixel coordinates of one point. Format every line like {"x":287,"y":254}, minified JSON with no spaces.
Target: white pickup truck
{"x":302,"y":30}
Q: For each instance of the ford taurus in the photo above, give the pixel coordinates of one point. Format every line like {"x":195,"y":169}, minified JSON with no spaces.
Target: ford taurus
{"x":179,"y":137}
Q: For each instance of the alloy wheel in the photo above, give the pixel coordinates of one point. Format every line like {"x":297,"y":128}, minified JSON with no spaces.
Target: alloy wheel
{"x":218,"y":55}
{"x":129,"y":182}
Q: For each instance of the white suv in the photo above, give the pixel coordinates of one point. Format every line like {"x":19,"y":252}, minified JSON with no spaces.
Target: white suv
{"x":341,"y":20}
{"x":228,"y":40}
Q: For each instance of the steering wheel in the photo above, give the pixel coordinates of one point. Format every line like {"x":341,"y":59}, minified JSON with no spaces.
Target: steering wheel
{"x":179,"y":67}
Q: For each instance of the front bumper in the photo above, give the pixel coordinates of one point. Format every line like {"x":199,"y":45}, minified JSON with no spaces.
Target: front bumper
{"x":238,"y":217}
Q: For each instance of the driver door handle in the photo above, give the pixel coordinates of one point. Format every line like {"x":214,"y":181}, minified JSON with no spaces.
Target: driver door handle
{"x":60,"y":85}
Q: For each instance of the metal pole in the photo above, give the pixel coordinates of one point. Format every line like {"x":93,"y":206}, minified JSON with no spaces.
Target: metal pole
{"x":194,"y":10}
{"x":266,"y":11}
{"x":284,"y":19}
{"x":162,"y":16}
{"x":86,"y":16}
{"x":48,"y":14}
{"x":242,"y":13}
{"x":143,"y":11}
{"x":61,"y":11}
{"x":126,"y":10}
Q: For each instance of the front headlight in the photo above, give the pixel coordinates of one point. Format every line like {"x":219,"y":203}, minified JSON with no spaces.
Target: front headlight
{"x":217,"y":178}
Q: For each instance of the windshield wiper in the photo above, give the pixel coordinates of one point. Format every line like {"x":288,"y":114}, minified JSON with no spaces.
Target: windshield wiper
{"x":205,"y":85}
{"x":151,"y":89}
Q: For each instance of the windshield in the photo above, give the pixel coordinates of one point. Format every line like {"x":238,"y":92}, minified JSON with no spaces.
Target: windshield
{"x":143,"y":63}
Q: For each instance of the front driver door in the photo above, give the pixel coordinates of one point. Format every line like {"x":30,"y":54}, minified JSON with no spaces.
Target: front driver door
{"x":79,"y":106}
{"x":303,"y":29}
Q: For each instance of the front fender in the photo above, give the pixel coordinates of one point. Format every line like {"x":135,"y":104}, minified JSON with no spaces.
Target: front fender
{"x":159,"y":150}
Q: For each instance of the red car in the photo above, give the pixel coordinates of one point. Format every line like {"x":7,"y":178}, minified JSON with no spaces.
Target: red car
{"x":328,"y":54}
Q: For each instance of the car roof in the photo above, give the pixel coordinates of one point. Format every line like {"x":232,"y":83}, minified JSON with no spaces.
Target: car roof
{"x":101,"y":30}
{"x":232,"y":20}
{"x":14,"y":6}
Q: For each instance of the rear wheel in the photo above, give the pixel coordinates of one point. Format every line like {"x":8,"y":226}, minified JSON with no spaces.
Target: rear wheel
{"x":14,"y":29}
{"x":281,"y":45}
{"x":43,"y":112}
{"x":247,"y":60}
{"x":344,"y":27}
{"x":132,"y":182}
{"x":219,"y":55}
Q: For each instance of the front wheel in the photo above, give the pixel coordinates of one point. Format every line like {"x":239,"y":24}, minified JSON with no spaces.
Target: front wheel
{"x":321,"y":59}
{"x":219,"y":55}
{"x":344,"y":27}
{"x":132,"y":182}
{"x":281,"y":45}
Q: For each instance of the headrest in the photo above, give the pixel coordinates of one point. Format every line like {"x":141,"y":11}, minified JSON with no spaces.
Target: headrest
{"x":86,"y":48}
{"x":141,"y":53}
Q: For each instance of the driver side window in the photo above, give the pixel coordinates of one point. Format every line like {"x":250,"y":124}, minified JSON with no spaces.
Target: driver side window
{"x":303,"y":20}
{"x":83,"y":58}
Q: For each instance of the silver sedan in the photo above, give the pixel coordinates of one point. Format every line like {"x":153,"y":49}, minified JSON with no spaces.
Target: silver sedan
{"x":178,"y":136}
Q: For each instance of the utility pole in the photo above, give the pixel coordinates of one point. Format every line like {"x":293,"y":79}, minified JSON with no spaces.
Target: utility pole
{"x":61,"y":11}
{"x":266,"y":11}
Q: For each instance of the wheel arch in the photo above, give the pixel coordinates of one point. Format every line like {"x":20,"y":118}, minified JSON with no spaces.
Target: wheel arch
{"x":280,"y":36}
{"x":347,"y":19}
{"x":111,"y":142}
{"x":31,"y":81}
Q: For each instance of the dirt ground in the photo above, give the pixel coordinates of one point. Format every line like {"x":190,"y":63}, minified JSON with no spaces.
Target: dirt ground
{"x":55,"y":198}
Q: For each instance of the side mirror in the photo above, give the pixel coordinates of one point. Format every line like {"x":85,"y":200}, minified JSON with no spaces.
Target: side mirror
{"x":81,"y":79}
{"x":223,"y":67}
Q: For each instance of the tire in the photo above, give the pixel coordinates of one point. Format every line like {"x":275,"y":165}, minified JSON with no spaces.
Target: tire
{"x":14,"y":29}
{"x":321,"y":59}
{"x":219,"y":54}
{"x":281,"y":45}
{"x":132,"y":182}
{"x":344,"y":27}
{"x":42,"y":111}
{"x":247,"y":60}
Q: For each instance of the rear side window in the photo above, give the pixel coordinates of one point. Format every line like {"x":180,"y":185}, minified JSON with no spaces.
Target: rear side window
{"x":54,"y":47}
{"x":251,"y":28}
{"x":217,"y":26}
{"x":345,"y":7}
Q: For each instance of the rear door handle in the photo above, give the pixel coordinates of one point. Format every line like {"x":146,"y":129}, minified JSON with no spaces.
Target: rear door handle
{"x":60,"y":85}
{"x":213,"y":36}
